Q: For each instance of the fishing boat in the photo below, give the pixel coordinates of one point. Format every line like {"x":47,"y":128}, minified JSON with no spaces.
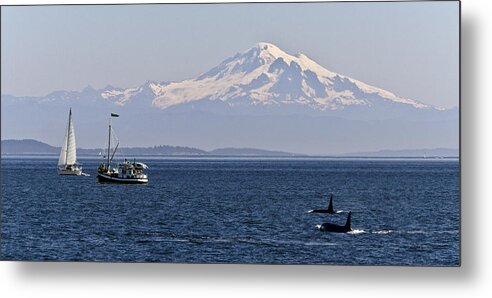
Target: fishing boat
{"x":67,"y":163}
{"x":126,"y":172}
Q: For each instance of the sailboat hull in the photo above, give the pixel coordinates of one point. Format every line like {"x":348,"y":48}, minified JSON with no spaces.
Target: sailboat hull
{"x":68,"y":172}
{"x":112,"y":179}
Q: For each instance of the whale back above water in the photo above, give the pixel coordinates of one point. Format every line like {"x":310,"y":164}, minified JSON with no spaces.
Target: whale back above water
{"x":329,"y":210}
{"x":330,"y":227}
{"x":330,"y":207}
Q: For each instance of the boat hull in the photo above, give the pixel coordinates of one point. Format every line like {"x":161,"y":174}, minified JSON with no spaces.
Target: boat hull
{"x":111,"y":179}
{"x":65,"y":172}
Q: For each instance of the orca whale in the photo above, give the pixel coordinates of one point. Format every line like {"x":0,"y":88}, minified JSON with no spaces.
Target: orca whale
{"x":329,"y":227}
{"x":329,"y":210}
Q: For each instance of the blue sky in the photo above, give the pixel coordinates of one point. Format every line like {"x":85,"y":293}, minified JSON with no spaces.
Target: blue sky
{"x":409,"y":48}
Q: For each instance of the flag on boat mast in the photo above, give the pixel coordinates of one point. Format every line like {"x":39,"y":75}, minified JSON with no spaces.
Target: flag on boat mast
{"x":114,"y":115}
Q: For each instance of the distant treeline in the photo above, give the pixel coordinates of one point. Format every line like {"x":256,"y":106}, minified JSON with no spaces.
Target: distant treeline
{"x":36,"y":147}
{"x":11,"y":147}
{"x":156,"y":150}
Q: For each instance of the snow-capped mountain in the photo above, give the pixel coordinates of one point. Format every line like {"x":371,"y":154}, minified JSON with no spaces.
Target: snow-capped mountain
{"x":261,"y":98}
{"x":265,"y":80}
{"x":267,"y":76}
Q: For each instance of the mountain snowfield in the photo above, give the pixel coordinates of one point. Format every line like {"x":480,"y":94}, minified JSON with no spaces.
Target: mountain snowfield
{"x":266,"y":75}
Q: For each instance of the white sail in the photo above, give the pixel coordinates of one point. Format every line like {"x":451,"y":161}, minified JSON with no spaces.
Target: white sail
{"x":71,"y":147}
{"x":68,"y":155}
{"x":62,"y":161}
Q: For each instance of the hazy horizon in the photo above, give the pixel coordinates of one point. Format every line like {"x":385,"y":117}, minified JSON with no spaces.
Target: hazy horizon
{"x":409,"y":48}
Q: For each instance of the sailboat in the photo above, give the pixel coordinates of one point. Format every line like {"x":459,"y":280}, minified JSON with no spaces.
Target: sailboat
{"x":126,"y":172}
{"x":67,"y":163}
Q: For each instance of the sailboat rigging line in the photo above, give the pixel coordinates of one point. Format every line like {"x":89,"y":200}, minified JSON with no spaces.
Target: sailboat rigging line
{"x":115,"y":151}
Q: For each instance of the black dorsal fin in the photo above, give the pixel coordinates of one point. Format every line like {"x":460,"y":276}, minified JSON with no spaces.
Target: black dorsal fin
{"x":330,"y":207}
{"x":348,"y":224}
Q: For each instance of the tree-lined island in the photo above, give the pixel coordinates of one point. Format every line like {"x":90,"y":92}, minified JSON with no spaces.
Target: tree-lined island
{"x":34,"y":147}
{"x":29,"y":146}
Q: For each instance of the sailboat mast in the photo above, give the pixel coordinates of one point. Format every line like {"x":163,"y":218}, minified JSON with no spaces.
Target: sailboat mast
{"x":109,"y":140}
{"x":68,"y":134}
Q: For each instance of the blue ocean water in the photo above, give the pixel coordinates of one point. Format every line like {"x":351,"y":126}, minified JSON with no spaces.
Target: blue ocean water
{"x":404,"y":212}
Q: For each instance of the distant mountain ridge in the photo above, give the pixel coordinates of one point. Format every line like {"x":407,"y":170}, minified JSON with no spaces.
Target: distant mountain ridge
{"x":29,"y":146}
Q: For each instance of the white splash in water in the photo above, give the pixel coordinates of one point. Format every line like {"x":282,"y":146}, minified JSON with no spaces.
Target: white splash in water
{"x":355,"y":232}
{"x":383,"y":232}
